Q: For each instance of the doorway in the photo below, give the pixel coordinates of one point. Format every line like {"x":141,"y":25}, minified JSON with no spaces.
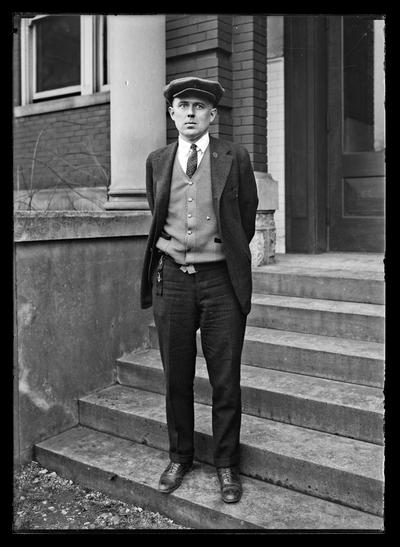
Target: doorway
{"x":356,"y":134}
{"x":334,"y":133}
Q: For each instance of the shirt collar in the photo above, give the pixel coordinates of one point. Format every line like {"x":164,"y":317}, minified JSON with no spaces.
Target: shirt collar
{"x":202,"y":143}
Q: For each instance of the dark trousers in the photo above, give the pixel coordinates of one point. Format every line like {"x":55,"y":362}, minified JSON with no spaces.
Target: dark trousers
{"x":184,"y":303}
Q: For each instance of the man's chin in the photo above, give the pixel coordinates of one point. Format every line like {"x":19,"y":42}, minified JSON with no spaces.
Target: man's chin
{"x":190,"y":135}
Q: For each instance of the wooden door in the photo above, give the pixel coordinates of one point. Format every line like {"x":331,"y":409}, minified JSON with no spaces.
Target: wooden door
{"x":356,"y":166}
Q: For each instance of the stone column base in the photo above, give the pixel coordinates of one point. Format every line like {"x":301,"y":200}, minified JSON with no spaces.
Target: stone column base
{"x":262,"y":246}
{"x":127,"y":199}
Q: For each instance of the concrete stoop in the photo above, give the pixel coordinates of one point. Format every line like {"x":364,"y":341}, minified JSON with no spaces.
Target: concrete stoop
{"x":312,"y":426}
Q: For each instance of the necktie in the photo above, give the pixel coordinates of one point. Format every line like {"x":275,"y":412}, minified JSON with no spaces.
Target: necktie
{"x":192,"y":161}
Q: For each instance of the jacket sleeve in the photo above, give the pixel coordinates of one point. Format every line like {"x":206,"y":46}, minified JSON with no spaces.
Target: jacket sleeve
{"x":149,"y":183}
{"x":248,"y":197}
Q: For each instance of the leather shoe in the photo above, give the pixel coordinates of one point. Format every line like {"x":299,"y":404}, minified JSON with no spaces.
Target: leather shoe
{"x":231,"y":487}
{"x":171,"y":478}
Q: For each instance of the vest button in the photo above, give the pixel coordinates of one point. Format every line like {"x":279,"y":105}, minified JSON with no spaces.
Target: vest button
{"x":189,"y":232}
{"x":190,"y":199}
{"x":190,"y":215}
{"x":208,"y":218}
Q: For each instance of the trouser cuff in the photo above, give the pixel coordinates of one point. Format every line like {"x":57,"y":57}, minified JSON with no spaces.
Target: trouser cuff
{"x":227,"y":462}
{"x":179,"y":458}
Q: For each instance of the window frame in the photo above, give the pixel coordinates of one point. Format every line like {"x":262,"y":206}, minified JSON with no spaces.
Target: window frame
{"x":88,"y":61}
{"x":101,"y":20}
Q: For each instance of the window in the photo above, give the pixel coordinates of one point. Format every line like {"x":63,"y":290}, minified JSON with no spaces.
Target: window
{"x":56,"y":56}
{"x":63,"y":55}
{"x":363,"y":82}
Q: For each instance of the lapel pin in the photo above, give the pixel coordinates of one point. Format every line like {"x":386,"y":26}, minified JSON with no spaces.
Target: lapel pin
{"x":215,"y":155}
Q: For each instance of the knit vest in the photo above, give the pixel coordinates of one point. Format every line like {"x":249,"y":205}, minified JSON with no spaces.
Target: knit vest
{"x":190,"y":233}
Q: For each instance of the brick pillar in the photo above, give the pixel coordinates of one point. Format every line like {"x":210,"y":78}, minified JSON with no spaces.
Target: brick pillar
{"x":137,"y":105}
{"x":201,"y":45}
{"x":249,"y":72}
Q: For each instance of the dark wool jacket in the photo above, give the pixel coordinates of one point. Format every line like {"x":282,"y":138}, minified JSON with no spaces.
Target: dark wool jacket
{"x":235,"y":201}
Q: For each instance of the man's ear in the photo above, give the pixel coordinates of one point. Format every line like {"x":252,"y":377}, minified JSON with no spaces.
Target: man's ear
{"x":213,"y":114}
{"x":171,"y":111}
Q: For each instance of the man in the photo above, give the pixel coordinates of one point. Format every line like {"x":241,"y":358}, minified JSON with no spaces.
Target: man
{"x":197,"y":274}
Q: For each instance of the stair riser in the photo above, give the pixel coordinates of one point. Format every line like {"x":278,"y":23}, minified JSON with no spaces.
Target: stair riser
{"x":328,"y":483}
{"x":349,"y":422}
{"x":325,"y":323}
{"x":182,"y":511}
{"x":329,"y":288}
{"x":333,"y":366}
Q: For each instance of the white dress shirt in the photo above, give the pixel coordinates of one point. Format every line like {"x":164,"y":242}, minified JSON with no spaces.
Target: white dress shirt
{"x":184,"y":150}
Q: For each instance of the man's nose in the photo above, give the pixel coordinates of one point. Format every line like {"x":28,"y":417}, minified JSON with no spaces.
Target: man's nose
{"x":191,"y":111}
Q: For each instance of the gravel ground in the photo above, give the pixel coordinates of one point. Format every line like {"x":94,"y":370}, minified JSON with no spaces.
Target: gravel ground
{"x":45,"y":501}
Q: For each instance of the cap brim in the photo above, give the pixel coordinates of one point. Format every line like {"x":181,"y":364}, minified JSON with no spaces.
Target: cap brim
{"x":196,"y":91}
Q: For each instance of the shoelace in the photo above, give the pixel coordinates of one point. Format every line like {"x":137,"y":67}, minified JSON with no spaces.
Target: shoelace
{"x":173,"y":467}
{"x":228,"y":474}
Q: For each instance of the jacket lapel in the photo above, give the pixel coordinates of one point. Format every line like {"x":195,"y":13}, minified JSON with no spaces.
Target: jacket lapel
{"x":221,"y":163}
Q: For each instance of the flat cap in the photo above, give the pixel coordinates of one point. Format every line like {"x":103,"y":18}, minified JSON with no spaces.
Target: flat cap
{"x":209,"y":88}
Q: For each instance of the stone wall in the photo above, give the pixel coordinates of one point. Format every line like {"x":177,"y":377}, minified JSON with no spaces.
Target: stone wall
{"x":77,"y":282}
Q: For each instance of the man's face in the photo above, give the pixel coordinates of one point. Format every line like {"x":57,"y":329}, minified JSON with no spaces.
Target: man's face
{"x":192,"y":115}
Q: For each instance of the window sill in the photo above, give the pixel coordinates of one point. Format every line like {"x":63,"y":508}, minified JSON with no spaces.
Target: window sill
{"x":66,"y":103}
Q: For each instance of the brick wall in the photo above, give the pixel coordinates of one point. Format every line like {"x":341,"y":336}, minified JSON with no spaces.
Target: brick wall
{"x":231,"y":49}
{"x":201,"y":46}
{"x":72,"y":148}
{"x":249,"y":86}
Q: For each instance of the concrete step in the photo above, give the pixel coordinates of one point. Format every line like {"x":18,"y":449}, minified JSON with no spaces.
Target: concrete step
{"x":325,"y":405}
{"x":130,"y":471}
{"x":352,"y":320}
{"x":283,"y":279}
{"x":352,"y":361}
{"x":335,"y":468}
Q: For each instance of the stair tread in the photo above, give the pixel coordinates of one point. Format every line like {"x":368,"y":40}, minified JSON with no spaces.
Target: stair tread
{"x":317,"y":342}
{"x":338,"y":265}
{"x":297,"y":385}
{"x":322,"y":305}
{"x":323,"y":449}
{"x":263,"y":505}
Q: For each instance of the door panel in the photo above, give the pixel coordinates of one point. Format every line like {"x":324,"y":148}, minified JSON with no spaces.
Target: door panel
{"x":356,"y":167}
